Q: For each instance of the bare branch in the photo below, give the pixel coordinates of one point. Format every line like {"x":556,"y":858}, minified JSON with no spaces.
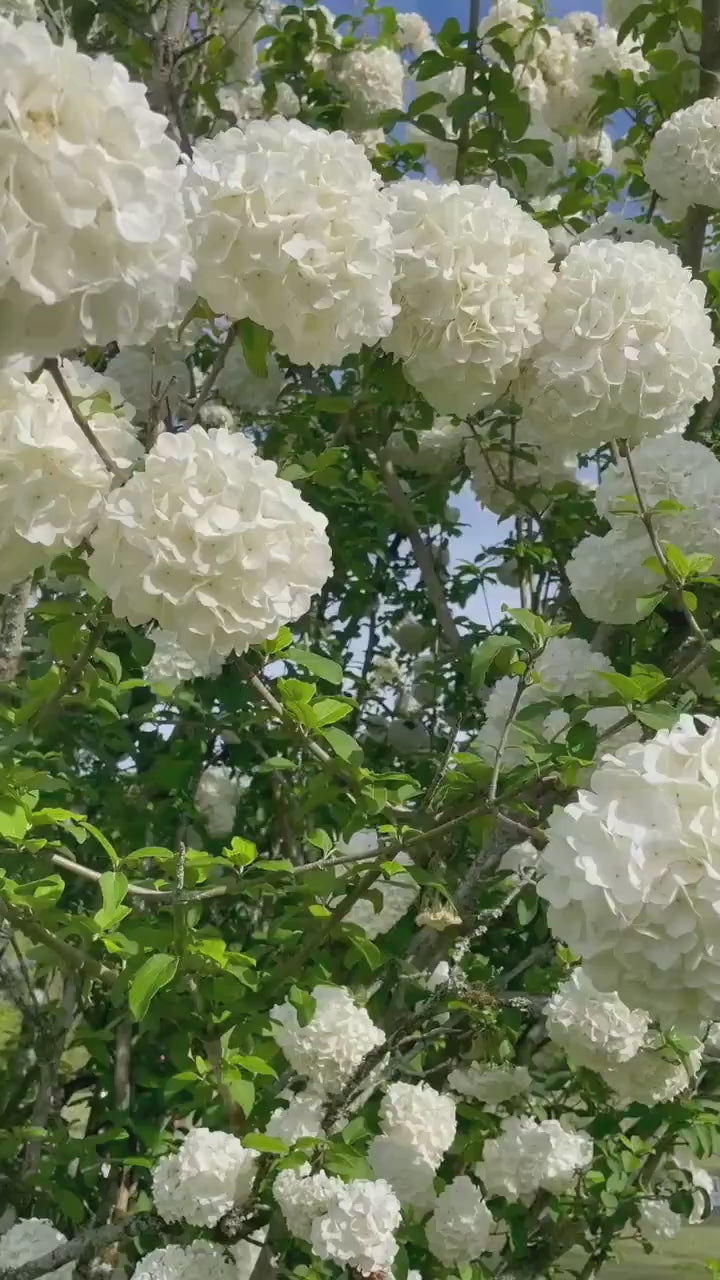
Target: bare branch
{"x":212,"y":374}
{"x":12,"y":629}
{"x":53,"y":367}
{"x":82,"y":1246}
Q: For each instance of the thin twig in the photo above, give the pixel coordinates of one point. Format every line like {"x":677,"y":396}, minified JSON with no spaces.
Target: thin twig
{"x":12,"y":629}
{"x":463,"y":141}
{"x":212,"y":374}
{"x":263,"y":692}
{"x":72,"y":956}
{"x":53,"y":367}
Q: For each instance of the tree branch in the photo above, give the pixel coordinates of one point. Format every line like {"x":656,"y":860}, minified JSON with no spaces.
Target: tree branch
{"x":72,"y":956}
{"x":463,"y":141}
{"x":12,"y":629}
{"x":53,"y":367}
{"x":212,"y":374}
{"x":693,"y":239}
{"x":81,"y":1246}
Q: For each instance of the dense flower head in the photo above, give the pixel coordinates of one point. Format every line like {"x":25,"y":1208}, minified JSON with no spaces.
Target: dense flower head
{"x":172,"y":665}
{"x":406,"y":1168}
{"x":420,"y":1117}
{"x":53,"y":484}
{"x":631,"y":873}
{"x":627,"y":347}
{"x":216,"y":797}
{"x":594,"y":1029}
{"x":460,"y":1226}
{"x":29,"y":1239}
{"x":210,"y":543}
{"x":570,"y":69}
{"x":186,"y":1262}
{"x":490,"y":1084}
{"x":301,"y":1118}
{"x":502,"y":466}
{"x":248,"y":101}
{"x":357,"y":1229}
{"x":472,"y":276}
{"x":653,"y":1075}
{"x":413,"y":33}
{"x":210,"y":1174}
{"x":436,"y":448}
{"x":609,"y":575}
{"x":94,"y":241}
{"x":611,"y":226}
{"x":291,"y":230}
{"x":657,"y":1221}
{"x":532,"y":1154}
{"x":683,"y":162}
{"x":242,"y":388}
{"x":370,"y":81}
{"x":333,"y":1043}
{"x":302,"y":1196}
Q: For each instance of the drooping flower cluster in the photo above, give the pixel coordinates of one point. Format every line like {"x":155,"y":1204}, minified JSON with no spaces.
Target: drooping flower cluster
{"x":171,"y":665}
{"x":472,"y":278}
{"x":683,"y":162}
{"x":29,"y":1239}
{"x":630,"y":873}
{"x":489,"y":1084}
{"x":329,"y":1048}
{"x":627,"y":348}
{"x":653,"y":1075}
{"x":437,"y":448}
{"x":53,"y":484}
{"x":412,"y":33}
{"x":216,"y":797}
{"x":460,"y":1226}
{"x":350,"y":1223}
{"x":94,"y":241}
{"x":418,"y":1126}
{"x":210,"y":1174}
{"x":178,"y":1262}
{"x":302,"y":1118}
{"x":291,"y":230}
{"x":210,"y":543}
{"x":370,"y":81}
{"x":594,"y":1030}
{"x":532,"y":1154}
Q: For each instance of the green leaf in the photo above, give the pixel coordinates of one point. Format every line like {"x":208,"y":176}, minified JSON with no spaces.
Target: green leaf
{"x":660,"y":715}
{"x":155,"y":973}
{"x":324,"y":668}
{"x":677,"y":560}
{"x":369,"y":952}
{"x":14,"y":820}
{"x":113,"y":886}
{"x":256,"y":1066}
{"x":242,"y":1092}
{"x":111,"y":662}
{"x":256,"y":343}
{"x":262,"y":1142}
{"x":485,"y":655}
{"x":343,"y":745}
{"x":241,"y":852}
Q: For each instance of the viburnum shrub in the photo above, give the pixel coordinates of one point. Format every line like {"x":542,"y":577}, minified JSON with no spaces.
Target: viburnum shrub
{"x":360,"y":888}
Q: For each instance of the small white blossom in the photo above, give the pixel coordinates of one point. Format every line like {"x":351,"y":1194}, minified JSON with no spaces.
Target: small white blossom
{"x":154,"y":378}
{"x":291,"y":230}
{"x":177,"y":1262}
{"x":532,"y":1154}
{"x":302,"y":1118}
{"x":215,"y":416}
{"x":595,"y":1030}
{"x":420,"y":1117}
{"x":248,"y":102}
{"x":608,"y":575}
{"x":503,"y":466}
{"x":357,"y":1229}
{"x":570,"y":69}
{"x":490,"y":1084}
{"x":683,"y":162}
{"x":29,"y":1239}
{"x":211,"y":1174}
{"x":370,"y":81}
{"x":437,"y":448}
{"x":413,"y":33}
{"x":170,"y":665}
{"x":243,"y":389}
{"x":461,"y":1224}
{"x":652,"y":1076}
{"x":398,"y":892}
{"x":216,"y":797}
{"x":210,"y":543}
{"x":302,"y":1196}
{"x":333,"y":1043}
{"x":657,"y":1221}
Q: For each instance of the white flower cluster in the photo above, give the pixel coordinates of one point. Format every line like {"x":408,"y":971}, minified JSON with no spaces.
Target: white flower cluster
{"x":418,"y":1126}
{"x":248,"y":102}
{"x":53,"y":484}
{"x":333,"y":1043}
{"x":243,"y":389}
{"x":171,"y":665}
{"x":216,"y":798}
{"x":210,"y":1174}
{"x":302,"y":1118}
{"x":653,"y":1075}
{"x":571,"y":65}
{"x":595,"y":1030}
{"x":29,"y":1239}
{"x":398,"y":892}
{"x":657,"y":1221}
{"x":683,"y":162}
{"x":608,"y":576}
{"x":630,"y":873}
{"x":460,"y":1226}
{"x":567,"y":666}
{"x":291,"y":230}
{"x":178,"y":1262}
{"x":529,"y":1155}
{"x":94,"y":241}
{"x":413,"y":33}
{"x":627,"y":347}
{"x":238,"y":24}
{"x":491,"y":1085}
{"x":437,"y":448}
{"x":352,"y":1223}
{"x":210,"y":543}
{"x":472,"y":278}
{"x":370,"y":81}
{"x":501,"y":465}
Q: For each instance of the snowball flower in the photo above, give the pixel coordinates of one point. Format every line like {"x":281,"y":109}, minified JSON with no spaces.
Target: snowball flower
{"x":613,"y":227}
{"x":216,"y":797}
{"x":53,"y":484}
{"x":683,"y":161}
{"x":608,"y":575}
{"x":94,"y":241}
{"x":410,"y":634}
{"x":490,"y":1084}
{"x":413,"y":33}
{"x":211,"y":543}
{"x":211,"y":1174}
{"x":409,"y":1173}
{"x":333,"y":1043}
{"x":472,"y":276}
{"x":570,"y":75}
{"x":532,"y":1154}
{"x":291,"y":230}
{"x":627,"y":347}
{"x":503,"y":466}
{"x":397,"y":892}
{"x":420,"y":1117}
{"x":631,"y":869}
{"x":29,"y":1239}
{"x":370,"y":81}
{"x":178,"y":1262}
{"x":657,"y":1221}
{"x":171,"y":666}
{"x":302,"y":1118}
{"x":245,"y":390}
{"x":357,"y":1228}
{"x":652,"y":1076}
{"x":460,"y":1226}
{"x":437,"y":448}
{"x":248,"y":102}
{"x":595,"y":1030}
{"x":303,"y":1196}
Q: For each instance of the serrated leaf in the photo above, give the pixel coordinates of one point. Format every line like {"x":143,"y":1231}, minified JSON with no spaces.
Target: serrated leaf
{"x":151,"y":977}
